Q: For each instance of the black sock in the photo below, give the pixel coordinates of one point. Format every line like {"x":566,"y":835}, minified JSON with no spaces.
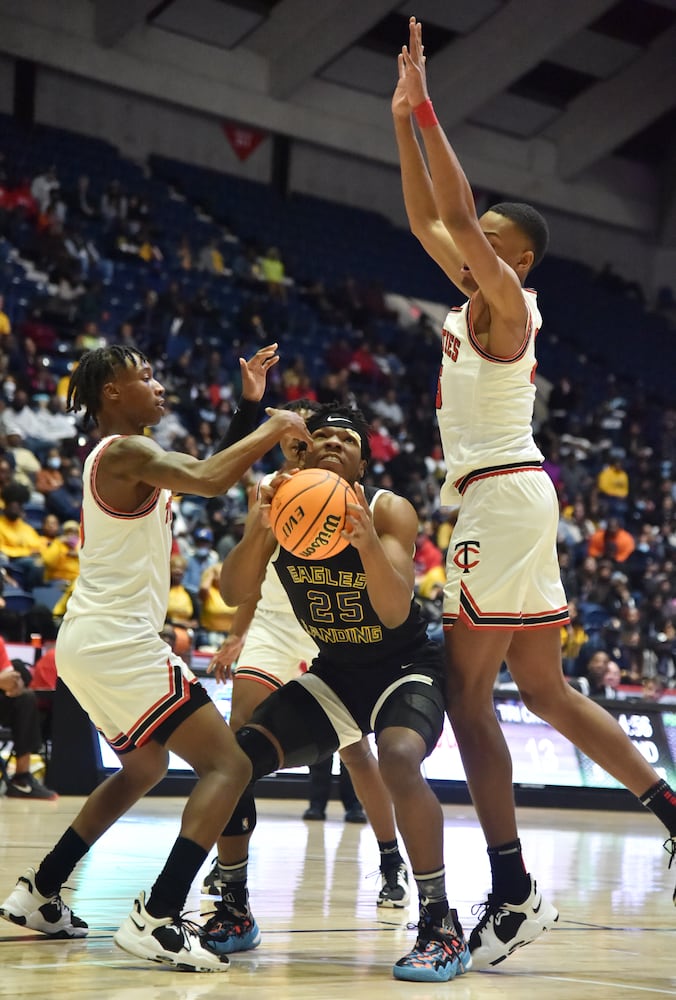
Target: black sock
{"x":661,"y":800}
{"x":59,"y":863}
{"x":171,"y":888}
{"x":390,"y":856}
{"x":432,"y":894}
{"x":510,"y":879}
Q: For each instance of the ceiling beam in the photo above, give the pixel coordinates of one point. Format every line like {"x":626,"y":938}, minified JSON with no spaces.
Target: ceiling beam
{"x":302,"y":36}
{"x":644,"y":91}
{"x":474,"y":68}
{"x":113,"y":19}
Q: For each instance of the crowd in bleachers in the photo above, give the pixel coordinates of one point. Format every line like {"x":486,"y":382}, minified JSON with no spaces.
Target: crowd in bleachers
{"x":196,"y":269}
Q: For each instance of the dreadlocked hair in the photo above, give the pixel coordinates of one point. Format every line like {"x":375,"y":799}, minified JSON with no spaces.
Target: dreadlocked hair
{"x":351,"y":413}
{"x":94,"y":369}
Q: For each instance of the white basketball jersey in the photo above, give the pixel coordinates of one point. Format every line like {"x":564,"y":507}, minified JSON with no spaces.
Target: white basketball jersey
{"x":124,"y":558}
{"x":484,"y":404}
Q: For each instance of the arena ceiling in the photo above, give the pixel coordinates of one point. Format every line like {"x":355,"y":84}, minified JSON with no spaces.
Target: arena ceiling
{"x":585,"y":82}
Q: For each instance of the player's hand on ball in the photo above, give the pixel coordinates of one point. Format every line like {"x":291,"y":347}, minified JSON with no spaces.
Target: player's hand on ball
{"x":359,"y":529}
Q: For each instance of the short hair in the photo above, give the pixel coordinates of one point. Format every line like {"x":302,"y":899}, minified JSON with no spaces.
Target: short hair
{"x":93,"y":370}
{"x":16,"y":493}
{"x":296,"y":405}
{"x":353,"y":418}
{"x":530,"y":222}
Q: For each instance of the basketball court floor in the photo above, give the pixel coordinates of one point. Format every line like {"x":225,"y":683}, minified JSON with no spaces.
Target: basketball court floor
{"x":314,"y":887}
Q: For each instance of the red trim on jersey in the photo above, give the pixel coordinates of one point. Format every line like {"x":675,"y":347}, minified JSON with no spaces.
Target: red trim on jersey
{"x":472,"y":616}
{"x":144,"y":727}
{"x":475,"y":344}
{"x":464,"y":482}
{"x":264,"y":677}
{"x":142,"y":511}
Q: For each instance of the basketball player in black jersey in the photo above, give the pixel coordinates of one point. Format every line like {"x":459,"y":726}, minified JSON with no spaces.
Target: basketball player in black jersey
{"x":376,"y":670}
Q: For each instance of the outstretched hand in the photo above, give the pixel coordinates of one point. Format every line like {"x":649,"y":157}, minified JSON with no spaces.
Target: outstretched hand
{"x":412,"y":75}
{"x":255,"y":372}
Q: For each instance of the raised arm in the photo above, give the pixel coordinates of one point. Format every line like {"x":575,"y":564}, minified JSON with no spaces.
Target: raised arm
{"x":497,"y":280}
{"x":421,"y":209}
{"x":254,"y":379}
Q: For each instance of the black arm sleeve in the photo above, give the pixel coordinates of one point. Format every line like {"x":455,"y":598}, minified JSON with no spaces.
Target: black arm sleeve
{"x":243,"y":422}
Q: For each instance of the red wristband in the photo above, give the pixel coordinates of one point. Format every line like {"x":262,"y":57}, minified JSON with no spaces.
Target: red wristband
{"x":424,"y":114}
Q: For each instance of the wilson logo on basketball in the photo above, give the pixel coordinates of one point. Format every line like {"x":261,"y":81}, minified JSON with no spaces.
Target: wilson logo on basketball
{"x":331,"y":525}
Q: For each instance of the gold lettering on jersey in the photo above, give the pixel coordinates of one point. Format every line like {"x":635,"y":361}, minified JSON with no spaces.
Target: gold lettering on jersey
{"x":362,"y":636}
{"x":450,"y":345}
{"x":316,"y":575}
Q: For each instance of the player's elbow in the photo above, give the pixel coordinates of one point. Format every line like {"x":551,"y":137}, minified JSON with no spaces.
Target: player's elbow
{"x":395,"y":614}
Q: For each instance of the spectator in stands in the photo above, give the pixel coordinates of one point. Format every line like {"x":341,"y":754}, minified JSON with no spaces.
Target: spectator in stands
{"x":575,"y":522}
{"x":202,"y":558}
{"x":573,"y":639}
{"x":184,"y":255}
{"x":59,"y":498}
{"x":43,"y":187}
{"x":79,"y":200}
{"x":215,"y":616}
{"x":21,"y":546}
{"x":180,"y":609}
{"x":603,"y":675}
{"x":427,"y":556}
{"x":5,"y":324}
{"x":210,"y":258}
{"x":613,"y":485}
{"x":246,"y":268}
{"x":20,"y":713}
{"x":113,"y":206}
{"x":612,"y":542}
{"x":62,"y":555}
{"x":26,"y":421}
{"x":274,"y":273}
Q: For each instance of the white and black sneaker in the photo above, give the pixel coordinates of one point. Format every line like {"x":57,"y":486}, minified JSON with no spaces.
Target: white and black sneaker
{"x":169,"y":940}
{"x":504,"y":927}
{"x":394,"y":891}
{"x":670,"y":848}
{"x":211,"y":884}
{"x":26,"y":907}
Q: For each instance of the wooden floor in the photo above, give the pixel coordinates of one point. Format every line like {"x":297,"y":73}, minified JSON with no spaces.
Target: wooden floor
{"x":323,"y":936}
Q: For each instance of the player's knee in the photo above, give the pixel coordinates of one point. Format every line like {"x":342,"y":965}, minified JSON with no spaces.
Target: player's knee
{"x":259,"y":749}
{"x":400,"y":757}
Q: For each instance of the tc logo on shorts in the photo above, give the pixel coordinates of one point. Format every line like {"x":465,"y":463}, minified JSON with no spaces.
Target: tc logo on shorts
{"x":467,"y":555}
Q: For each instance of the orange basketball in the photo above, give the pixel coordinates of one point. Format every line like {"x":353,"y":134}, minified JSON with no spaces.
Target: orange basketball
{"x":307,"y":513}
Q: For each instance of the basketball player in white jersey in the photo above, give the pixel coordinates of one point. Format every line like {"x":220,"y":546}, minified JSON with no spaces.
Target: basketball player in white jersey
{"x":504,"y":600}
{"x":143,"y":698}
{"x":270,"y":648}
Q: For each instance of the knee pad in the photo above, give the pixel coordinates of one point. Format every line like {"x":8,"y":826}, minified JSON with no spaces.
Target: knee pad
{"x":243,"y":819}
{"x":259,"y":749}
{"x":299,"y":724}
{"x":415,"y":706}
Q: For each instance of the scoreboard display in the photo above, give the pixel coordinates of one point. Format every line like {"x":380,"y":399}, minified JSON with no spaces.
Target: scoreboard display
{"x":543,"y":757}
{"x":548,"y":770}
